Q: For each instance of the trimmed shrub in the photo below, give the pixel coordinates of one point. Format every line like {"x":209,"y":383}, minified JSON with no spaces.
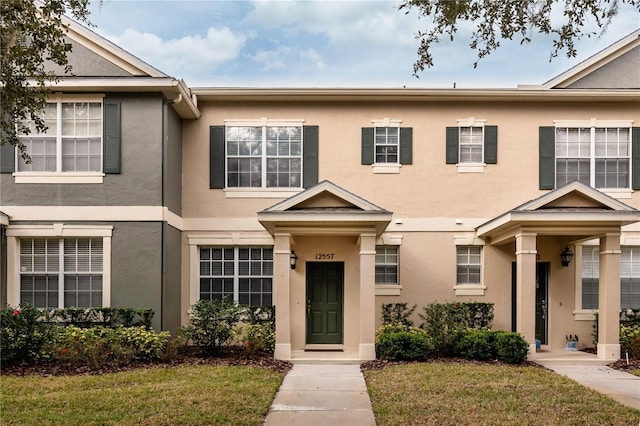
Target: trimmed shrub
{"x":477,"y":344}
{"x":399,"y":342}
{"x":25,"y":335}
{"x":445,"y":322}
{"x":630,"y":340}
{"x":511,"y":347}
{"x":107,"y":317}
{"x":98,"y":346}
{"x":212,"y":323}
{"x":397,"y":313}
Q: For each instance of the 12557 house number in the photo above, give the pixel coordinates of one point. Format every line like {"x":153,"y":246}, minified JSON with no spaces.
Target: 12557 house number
{"x":325,"y":256}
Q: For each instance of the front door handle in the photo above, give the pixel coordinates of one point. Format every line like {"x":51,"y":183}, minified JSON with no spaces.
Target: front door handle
{"x":308,"y":307}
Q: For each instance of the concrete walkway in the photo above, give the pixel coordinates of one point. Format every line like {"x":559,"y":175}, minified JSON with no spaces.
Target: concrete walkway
{"x":618,"y":385}
{"x":316,"y":394}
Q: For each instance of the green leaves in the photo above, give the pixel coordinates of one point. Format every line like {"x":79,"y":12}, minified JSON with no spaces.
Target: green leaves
{"x":508,"y":19}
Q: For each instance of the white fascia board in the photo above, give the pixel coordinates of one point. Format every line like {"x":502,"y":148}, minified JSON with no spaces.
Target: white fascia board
{"x":184,"y":102}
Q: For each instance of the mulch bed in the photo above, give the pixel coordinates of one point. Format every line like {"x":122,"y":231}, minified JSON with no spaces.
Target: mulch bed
{"x":189,"y":356}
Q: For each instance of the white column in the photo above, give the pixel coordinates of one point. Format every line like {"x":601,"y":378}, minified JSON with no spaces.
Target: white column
{"x":609,"y":298}
{"x":526,"y":288}
{"x":367,"y":348}
{"x":282,"y":295}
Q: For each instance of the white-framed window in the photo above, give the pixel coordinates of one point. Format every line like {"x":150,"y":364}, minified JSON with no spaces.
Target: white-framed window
{"x":243,"y":274}
{"x":61,"y":272}
{"x":387,"y":144}
{"x":629,"y":277}
{"x":468,"y":265}
{"x":471,"y":144}
{"x":387,"y":263}
{"x":72,"y":142}
{"x":598,"y":154}
{"x":264,"y":156}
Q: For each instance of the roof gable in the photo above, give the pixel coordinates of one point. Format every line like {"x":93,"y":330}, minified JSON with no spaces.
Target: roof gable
{"x":574,"y":195}
{"x":325,"y":196}
{"x":615,"y":67}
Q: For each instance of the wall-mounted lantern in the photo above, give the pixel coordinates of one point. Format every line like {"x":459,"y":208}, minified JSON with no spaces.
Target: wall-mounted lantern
{"x":566,"y":256}
{"x":292,"y":259}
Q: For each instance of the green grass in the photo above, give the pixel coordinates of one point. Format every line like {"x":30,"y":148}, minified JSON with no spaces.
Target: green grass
{"x":468,"y":394}
{"x":184,"y":395}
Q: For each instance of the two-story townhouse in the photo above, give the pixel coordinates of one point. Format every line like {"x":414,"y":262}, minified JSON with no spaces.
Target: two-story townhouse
{"x":328,"y":203}
{"x":93,"y":219}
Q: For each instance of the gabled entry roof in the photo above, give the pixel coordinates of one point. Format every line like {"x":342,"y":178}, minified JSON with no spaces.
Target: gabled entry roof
{"x":574,"y":209}
{"x":325,"y":205}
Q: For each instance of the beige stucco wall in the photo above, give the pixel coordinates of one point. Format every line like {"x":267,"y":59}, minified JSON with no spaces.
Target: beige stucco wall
{"x":435,"y":202}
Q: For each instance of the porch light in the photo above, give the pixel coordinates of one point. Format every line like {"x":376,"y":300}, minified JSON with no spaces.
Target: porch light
{"x":294,"y":257}
{"x":567,"y":256}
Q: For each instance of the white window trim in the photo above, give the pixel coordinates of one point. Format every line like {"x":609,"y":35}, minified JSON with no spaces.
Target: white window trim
{"x":594,"y":123}
{"x":387,"y":239}
{"x":471,"y":167}
{"x":264,"y":191}
{"x":65,"y":177}
{"x":56,"y":230}
{"x":217,"y":239}
{"x":58,"y":177}
{"x":386,"y":168}
{"x":469,"y":239}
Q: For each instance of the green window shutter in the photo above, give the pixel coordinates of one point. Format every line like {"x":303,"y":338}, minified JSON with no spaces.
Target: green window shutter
{"x":216,"y":157}
{"x":368,"y":146}
{"x":7,"y":158}
{"x":491,"y":144}
{"x":310,"y":156}
{"x":112,"y":137}
{"x":635,"y":157}
{"x":406,"y":145}
{"x":547,"y":160}
{"x":452,"y":145}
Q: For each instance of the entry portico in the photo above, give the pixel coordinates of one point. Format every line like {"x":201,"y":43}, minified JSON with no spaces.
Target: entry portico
{"x":327,"y":301}
{"x":569,"y":215}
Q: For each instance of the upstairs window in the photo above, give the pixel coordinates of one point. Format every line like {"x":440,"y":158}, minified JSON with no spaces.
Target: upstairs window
{"x":264,"y":156}
{"x":471,"y":145}
{"x":598,"y":157}
{"x":595,"y":152}
{"x":72,"y":141}
{"x":386,"y":144}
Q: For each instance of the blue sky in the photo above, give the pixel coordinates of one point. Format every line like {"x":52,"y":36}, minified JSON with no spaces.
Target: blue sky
{"x":348,"y":43}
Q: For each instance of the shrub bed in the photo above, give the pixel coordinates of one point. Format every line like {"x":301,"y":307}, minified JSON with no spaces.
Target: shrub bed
{"x":400,"y":342}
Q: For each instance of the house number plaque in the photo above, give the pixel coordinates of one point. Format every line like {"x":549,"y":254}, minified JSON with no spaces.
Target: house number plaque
{"x":325,"y":256}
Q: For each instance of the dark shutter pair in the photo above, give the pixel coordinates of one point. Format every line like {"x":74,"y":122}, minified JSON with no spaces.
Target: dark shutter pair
{"x":547,"y":157}
{"x":111,"y":142}
{"x":490,"y":147}
{"x":217,"y":158}
{"x":369,"y":146}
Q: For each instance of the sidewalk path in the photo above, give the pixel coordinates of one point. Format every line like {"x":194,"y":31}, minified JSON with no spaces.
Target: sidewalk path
{"x":317,"y":394}
{"x":622,"y":387}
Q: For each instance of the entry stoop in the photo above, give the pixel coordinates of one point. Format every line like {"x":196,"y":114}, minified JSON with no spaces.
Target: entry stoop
{"x":319,"y":357}
{"x":562,"y":357}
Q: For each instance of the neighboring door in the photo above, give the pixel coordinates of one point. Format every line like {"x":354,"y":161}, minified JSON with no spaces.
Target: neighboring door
{"x":325,"y":293}
{"x":542,"y":301}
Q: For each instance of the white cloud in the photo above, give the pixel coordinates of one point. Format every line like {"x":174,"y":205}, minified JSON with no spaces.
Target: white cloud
{"x":314,"y":57}
{"x":186,"y":55}
{"x":373,"y":23}
{"x":271,"y":59}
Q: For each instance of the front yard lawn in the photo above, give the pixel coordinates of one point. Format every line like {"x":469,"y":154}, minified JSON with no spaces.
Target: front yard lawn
{"x":185,"y":395}
{"x":439,"y":393}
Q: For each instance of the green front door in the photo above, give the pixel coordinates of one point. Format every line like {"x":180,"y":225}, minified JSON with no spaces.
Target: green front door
{"x":325,"y":292}
{"x":542,"y":301}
